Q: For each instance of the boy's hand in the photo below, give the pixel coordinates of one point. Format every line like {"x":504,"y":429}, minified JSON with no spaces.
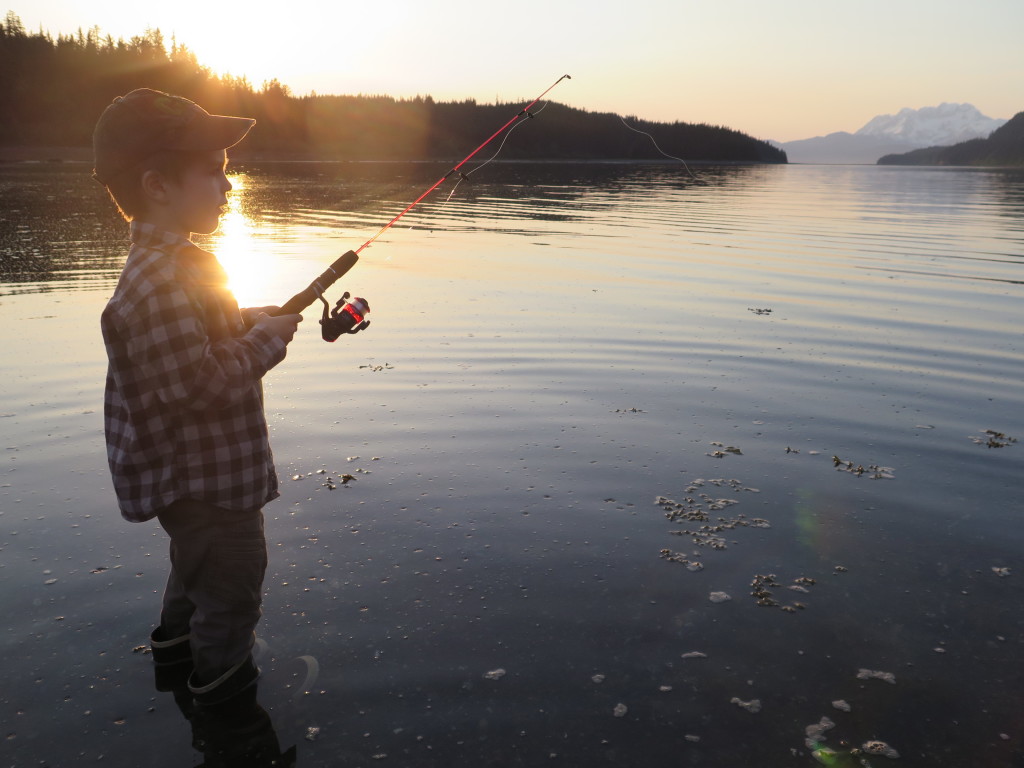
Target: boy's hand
{"x":251,"y":314}
{"x":281,"y":326}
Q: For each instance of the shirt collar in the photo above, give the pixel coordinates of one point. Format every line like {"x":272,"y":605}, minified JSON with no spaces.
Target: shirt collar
{"x":149,"y":235}
{"x":203,"y":263}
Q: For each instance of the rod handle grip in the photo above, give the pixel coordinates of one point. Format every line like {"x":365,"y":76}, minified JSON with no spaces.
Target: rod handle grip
{"x":332,"y":274}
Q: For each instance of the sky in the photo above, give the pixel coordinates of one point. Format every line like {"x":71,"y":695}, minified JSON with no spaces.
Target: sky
{"x":775,"y":69}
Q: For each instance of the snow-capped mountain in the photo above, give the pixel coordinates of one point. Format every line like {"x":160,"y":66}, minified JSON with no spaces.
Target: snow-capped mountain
{"x":888,"y":134}
{"x":933,"y":126}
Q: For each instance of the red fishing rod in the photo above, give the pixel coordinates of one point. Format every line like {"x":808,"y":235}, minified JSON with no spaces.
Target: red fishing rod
{"x":348,"y":315}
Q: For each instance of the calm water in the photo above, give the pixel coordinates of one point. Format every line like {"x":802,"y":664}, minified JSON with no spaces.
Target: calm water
{"x":553,"y":350}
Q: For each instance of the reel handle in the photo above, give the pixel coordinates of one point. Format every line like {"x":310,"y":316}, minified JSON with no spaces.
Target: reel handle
{"x":304,"y":298}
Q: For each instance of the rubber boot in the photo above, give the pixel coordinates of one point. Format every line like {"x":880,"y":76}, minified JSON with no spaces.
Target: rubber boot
{"x":172,"y":660}
{"x":235,"y":730}
{"x":234,"y":689}
{"x":245,"y":743}
{"x":172,"y":666}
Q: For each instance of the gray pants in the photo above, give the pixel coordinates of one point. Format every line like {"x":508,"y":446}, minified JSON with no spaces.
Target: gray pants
{"x":215,"y":589}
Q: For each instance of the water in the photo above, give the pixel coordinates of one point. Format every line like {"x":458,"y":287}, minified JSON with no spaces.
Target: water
{"x":552,"y":350}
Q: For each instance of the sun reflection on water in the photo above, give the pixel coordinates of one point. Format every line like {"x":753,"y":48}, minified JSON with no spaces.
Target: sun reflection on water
{"x":251,"y":263}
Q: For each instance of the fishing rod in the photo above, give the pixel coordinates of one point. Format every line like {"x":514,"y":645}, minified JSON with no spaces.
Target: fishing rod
{"x":348,"y":315}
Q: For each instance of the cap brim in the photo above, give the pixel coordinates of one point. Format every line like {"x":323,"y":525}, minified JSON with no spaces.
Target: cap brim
{"x":211,"y":132}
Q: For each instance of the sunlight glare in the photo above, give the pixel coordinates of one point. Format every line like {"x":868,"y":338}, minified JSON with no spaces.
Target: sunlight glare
{"x":251,"y":266}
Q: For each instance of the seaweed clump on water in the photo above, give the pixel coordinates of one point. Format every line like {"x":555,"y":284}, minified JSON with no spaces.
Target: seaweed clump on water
{"x":693,"y":512}
{"x":874,"y":471}
{"x":990,"y":438}
{"x":764,"y":597}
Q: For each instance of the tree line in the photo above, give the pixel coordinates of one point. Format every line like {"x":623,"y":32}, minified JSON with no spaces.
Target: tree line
{"x":54,"y":88}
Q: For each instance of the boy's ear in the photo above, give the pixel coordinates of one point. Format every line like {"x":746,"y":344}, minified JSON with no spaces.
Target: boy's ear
{"x":154,"y":186}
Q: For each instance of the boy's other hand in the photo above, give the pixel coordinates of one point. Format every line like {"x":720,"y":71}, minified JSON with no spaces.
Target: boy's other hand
{"x":281,"y":326}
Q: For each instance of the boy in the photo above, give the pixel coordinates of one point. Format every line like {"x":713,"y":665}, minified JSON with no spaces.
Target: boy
{"x":183,"y":411}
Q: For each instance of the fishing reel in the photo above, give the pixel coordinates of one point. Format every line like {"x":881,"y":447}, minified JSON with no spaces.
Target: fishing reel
{"x":348,"y":316}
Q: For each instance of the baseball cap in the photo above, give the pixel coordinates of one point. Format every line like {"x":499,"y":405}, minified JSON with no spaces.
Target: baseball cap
{"x":145,"y":121}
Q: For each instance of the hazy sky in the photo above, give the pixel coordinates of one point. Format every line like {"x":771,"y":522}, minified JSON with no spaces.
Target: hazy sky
{"x":776,"y":69}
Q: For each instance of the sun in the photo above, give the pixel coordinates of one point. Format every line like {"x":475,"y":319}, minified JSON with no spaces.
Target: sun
{"x":263,"y":44}
{"x":232,"y":56}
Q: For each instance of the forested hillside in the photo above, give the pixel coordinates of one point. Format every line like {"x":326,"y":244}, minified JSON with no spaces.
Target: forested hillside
{"x":53,"y":89}
{"x":1004,"y":147}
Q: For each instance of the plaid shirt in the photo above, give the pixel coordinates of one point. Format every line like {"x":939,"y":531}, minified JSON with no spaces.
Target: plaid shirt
{"x":183,"y":409}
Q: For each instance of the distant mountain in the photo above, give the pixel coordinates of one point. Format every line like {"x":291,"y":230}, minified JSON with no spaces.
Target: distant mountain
{"x":1005,"y":146}
{"x":930,"y":126}
{"x":907,"y":130}
{"x":843,"y":148}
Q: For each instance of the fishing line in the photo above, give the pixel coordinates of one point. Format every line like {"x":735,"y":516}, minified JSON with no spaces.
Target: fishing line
{"x":349,"y":317}
{"x":465,"y":176}
{"x":523,"y":113}
{"x":666,"y":154}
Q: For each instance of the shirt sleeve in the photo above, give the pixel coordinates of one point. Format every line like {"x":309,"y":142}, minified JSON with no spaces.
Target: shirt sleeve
{"x":179,"y":364}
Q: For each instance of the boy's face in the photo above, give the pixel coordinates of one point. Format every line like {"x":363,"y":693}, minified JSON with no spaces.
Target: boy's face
{"x":196,"y":199}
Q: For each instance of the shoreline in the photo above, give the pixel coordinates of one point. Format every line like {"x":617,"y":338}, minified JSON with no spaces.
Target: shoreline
{"x":10,"y":155}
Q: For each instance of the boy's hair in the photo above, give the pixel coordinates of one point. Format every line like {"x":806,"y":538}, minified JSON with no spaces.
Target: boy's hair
{"x":151,"y":130}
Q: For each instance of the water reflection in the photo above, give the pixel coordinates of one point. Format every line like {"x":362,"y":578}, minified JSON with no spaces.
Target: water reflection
{"x":243,"y":737}
{"x":60,"y":231}
{"x":537,"y":382}
{"x":252,"y":261}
